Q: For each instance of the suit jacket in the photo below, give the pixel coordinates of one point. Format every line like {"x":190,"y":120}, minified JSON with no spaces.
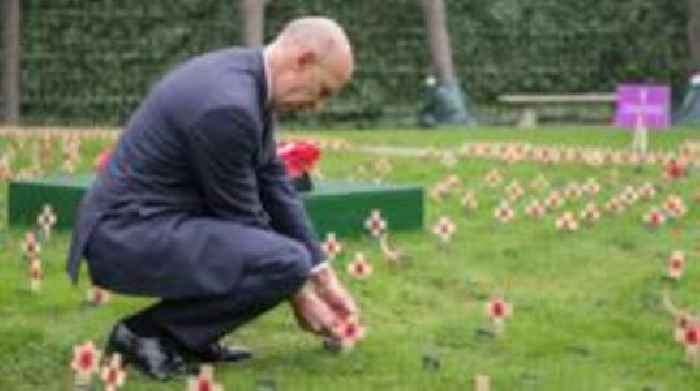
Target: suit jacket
{"x":201,"y":143}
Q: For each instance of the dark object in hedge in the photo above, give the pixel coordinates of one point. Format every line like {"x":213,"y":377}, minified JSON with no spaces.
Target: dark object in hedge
{"x":444,"y":104}
{"x":689,"y":112}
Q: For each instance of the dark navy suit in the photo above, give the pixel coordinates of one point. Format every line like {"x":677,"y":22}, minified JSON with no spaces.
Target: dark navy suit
{"x":194,"y":206}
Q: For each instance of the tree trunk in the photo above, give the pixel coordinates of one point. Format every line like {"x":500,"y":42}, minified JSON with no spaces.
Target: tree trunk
{"x":694,"y":34}
{"x":253,"y":22}
{"x":689,"y":111}
{"x":438,"y":40}
{"x":10,"y":95}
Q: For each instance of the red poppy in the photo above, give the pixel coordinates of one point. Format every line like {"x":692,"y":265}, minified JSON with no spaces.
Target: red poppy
{"x":514,"y":191}
{"x":567,"y":222}
{"x":675,"y":169}
{"x":102,"y":160}
{"x":504,"y":213}
{"x":591,"y":214}
{"x":350,"y":333}
{"x":676,"y":264}
{"x":113,"y":374}
{"x":536,"y":209}
{"x":674,"y":206}
{"x":85,"y":362}
{"x":692,"y":336}
{"x":359,"y":268}
{"x":554,"y":200}
{"x":439,"y":191}
{"x":444,"y":229}
{"x":654,"y":218}
{"x":298,"y":157}
{"x":493,"y":178}
{"x":331,"y":247}
{"x":205,"y":380}
{"x":498,"y":310}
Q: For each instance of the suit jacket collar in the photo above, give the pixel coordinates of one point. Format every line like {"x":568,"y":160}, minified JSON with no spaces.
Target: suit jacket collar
{"x":263,"y":81}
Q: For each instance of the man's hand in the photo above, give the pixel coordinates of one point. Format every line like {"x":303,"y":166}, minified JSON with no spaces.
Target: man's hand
{"x":330,"y":290}
{"x":312,"y":313}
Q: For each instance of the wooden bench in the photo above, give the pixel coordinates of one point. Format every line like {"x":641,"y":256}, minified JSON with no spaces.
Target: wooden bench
{"x":531,"y":102}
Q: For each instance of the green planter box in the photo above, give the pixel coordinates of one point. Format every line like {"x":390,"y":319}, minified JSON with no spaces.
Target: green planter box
{"x":333,"y":206}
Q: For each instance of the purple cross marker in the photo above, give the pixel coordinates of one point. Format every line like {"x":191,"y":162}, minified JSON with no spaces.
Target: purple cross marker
{"x":648,"y":105}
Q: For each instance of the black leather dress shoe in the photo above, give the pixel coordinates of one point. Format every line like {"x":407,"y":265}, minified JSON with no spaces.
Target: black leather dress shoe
{"x":219,"y":353}
{"x":152,"y":356}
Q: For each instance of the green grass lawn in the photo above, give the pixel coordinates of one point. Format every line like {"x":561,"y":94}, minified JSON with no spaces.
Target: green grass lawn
{"x":587,"y":311}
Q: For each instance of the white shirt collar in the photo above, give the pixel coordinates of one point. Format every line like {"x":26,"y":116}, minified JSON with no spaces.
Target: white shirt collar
{"x":268,"y":73}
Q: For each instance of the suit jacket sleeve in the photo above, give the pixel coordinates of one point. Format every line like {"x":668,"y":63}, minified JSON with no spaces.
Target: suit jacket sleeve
{"x":285,"y":206}
{"x":222,"y":144}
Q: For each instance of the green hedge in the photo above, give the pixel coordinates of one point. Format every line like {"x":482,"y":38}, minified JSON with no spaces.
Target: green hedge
{"x":88,"y":62}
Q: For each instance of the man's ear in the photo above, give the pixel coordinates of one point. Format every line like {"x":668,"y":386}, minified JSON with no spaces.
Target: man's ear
{"x":305,"y":58}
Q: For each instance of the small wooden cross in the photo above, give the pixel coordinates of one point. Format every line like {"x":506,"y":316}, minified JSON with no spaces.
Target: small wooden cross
{"x":30,"y":246}
{"x":375,"y":223}
{"x":46,"y":221}
{"x":392,"y":255}
{"x":36,"y":275}
{"x":482,"y":383}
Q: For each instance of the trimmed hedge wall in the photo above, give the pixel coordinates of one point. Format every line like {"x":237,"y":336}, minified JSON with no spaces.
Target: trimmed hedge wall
{"x":91,"y":61}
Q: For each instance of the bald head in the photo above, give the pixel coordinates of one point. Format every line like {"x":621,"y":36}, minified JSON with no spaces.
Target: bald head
{"x":321,"y":35}
{"x":311,"y":59}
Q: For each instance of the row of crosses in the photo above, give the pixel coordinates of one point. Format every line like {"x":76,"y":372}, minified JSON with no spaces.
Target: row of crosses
{"x":31,"y":246}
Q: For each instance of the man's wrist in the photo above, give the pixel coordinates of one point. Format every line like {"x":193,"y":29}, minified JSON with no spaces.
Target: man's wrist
{"x":319,"y":268}
{"x":323,"y":277}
